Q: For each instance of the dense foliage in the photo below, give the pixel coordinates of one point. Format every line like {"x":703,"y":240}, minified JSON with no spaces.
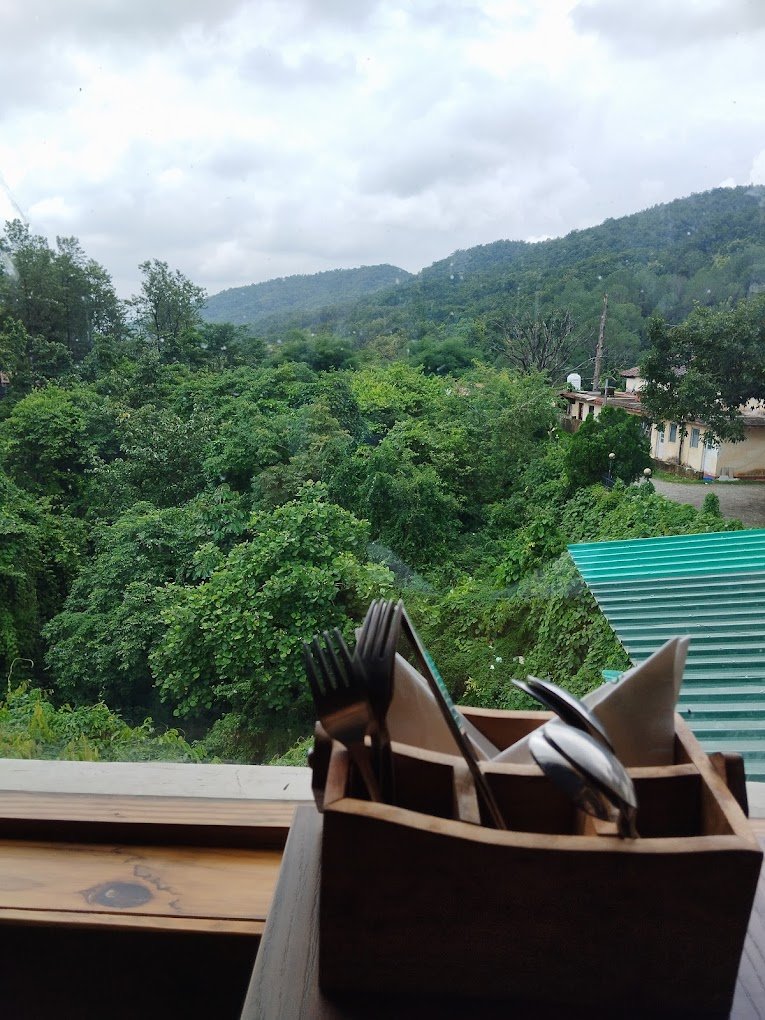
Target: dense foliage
{"x":182,"y":503}
{"x":31,"y":726}
{"x":707,"y":367}
{"x":612,"y":446}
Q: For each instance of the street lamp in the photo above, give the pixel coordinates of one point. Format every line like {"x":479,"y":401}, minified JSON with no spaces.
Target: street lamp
{"x":611,"y":459}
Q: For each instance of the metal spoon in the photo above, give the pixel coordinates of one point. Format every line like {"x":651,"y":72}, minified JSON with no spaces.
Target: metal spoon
{"x":566,"y":706}
{"x":567,"y":778}
{"x":601,"y":767}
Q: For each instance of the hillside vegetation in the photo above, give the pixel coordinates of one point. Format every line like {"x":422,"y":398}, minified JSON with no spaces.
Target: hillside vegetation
{"x":264,"y":303}
{"x":182,"y":502}
{"x":705,"y":249}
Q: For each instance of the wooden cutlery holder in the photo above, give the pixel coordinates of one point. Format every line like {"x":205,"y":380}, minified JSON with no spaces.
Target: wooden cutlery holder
{"x":556,"y":911}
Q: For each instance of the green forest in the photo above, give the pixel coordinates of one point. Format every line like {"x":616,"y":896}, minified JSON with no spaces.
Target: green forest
{"x":183,"y":502}
{"x":703,"y":250}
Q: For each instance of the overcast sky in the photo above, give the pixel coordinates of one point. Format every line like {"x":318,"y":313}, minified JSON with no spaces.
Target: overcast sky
{"x":240,"y":140}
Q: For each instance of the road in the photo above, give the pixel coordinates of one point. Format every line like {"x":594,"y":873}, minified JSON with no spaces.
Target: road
{"x":744,"y":500}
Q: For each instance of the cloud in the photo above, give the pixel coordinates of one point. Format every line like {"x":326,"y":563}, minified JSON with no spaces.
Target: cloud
{"x":257,"y":138}
{"x":264,"y":66}
{"x":653,"y":25}
{"x":88,"y":21}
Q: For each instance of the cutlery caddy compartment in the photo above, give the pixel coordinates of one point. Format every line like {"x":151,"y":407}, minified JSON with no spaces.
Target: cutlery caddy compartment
{"x":557,"y":911}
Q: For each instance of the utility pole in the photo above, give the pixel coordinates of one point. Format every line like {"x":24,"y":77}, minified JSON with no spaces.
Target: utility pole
{"x":599,"y":348}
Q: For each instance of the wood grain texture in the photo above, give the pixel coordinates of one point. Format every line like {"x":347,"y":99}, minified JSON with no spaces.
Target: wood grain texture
{"x":284,"y":982}
{"x":201,"y":887}
{"x":434,"y":885}
{"x":162,"y":820}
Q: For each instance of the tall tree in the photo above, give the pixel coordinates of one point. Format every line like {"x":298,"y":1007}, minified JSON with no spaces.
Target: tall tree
{"x":706,"y":368}
{"x":167,"y":311}
{"x":60,"y":296}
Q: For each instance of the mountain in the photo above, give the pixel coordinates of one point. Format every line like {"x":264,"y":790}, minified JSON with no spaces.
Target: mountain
{"x":707,"y":249}
{"x":299,"y":295}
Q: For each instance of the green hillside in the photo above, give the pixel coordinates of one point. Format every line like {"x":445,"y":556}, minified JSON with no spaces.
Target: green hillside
{"x":705,"y":249}
{"x":299,"y":294}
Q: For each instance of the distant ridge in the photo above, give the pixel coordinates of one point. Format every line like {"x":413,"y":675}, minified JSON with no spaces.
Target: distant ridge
{"x":706,"y":249}
{"x":288,"y":295}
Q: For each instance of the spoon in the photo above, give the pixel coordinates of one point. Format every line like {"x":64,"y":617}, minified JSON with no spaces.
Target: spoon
{"x":566,"y":706}
{"x":567,"y":778}
{"x":601,"y":767}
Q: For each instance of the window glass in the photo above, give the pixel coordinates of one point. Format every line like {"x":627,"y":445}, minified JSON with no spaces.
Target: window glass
{"x":695,"y":436}
{"x":673,"y":433}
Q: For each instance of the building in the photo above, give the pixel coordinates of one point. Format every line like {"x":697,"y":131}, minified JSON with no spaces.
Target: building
{"x":581,"y":404}
{"x":688,"y":450}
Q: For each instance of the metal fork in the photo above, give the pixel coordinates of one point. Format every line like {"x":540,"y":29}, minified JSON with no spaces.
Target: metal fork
{"x":375,"y":653}
{"x":341,"y":701}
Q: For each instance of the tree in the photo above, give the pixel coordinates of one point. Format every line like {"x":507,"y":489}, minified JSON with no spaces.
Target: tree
{"x":54,"y":436}
{"x":167,"y":312}
{"x":224,"y":345}
{"x":437,"y":356}
{"x":39,"y":555}
{"x":322,"y":353}
{"x":99,"y":644}
{"x":60,"y":296}
{"x":30,"y":360}
{"x":90,"y":307}
{"x":234,"y":641}
{"x":613,"y":431}
{"x":704,"y":369}
{"x":159,"y":457}
{"x":410,"y":506}
{"x":535,"y":344}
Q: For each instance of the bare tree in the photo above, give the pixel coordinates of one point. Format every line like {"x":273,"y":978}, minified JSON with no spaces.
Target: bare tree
{"x":535,"y":344}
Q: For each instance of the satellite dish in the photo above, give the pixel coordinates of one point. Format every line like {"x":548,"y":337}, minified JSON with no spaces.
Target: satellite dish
{"x":575,"y":380}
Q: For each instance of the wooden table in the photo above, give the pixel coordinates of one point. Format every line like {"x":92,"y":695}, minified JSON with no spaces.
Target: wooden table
{"x":126,"y":906}
{"x":284,"y":981}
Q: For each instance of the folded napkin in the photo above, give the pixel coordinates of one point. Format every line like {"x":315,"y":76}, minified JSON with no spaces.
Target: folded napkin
{"x":414,"y":716}
{"x":638,"y":711}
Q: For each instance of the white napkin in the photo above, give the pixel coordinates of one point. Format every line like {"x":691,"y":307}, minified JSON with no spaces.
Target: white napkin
{"x":415,"y":718}
{"x":638,"y":711}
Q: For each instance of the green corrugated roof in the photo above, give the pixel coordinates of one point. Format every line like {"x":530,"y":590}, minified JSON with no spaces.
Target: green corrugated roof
{"x":711,"y":587}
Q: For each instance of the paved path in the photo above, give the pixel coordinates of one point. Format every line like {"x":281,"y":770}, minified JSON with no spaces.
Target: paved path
{"x":744,"y":500}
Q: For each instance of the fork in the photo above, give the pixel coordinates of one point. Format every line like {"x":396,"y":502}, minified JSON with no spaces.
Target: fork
{"x":341,"y":701}
{"x":375,"y":654}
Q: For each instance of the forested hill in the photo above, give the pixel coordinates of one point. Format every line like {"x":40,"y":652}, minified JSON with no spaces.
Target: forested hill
{"x":299,"y":294}
{"x":704,"y":249}
{"x":683,"y":231}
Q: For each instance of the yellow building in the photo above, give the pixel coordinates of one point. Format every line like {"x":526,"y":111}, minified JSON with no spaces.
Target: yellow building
{"x":689,"y":449}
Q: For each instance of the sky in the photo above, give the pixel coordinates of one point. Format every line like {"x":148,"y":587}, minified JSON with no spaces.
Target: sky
{"x":242,"y":140}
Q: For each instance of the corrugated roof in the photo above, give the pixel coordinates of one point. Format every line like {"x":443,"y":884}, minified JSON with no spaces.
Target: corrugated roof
{"x":711,"y":587}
